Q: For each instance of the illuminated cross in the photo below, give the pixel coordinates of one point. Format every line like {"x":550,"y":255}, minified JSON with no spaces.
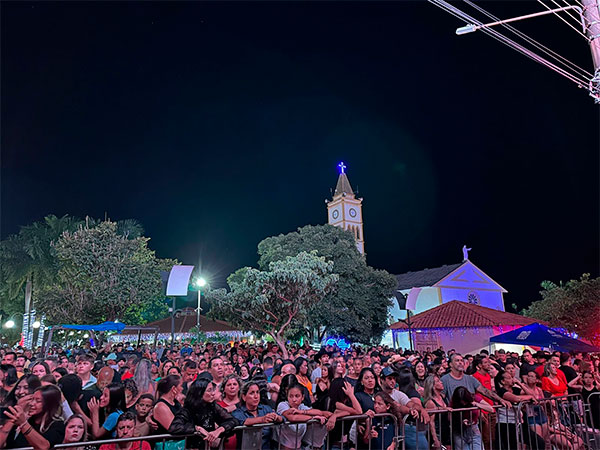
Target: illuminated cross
{"x":342,"y":167}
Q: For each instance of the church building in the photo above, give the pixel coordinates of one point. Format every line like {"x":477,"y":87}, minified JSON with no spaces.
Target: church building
{"x":345,"y":210}
{"x":425,"y":289}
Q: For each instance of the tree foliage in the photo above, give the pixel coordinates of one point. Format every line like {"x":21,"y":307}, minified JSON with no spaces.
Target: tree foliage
{"x":574,"y":305}
{"x":102,"y":276}
{"x":358,"y":308}
{"x":31,"y":257}
{"x":275,"y":301}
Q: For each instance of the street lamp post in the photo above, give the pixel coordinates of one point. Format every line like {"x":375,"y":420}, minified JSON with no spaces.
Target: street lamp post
{"x":200,"y":282}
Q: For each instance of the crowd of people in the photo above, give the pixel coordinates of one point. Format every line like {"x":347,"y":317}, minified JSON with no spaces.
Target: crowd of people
{"x":206,"y":393}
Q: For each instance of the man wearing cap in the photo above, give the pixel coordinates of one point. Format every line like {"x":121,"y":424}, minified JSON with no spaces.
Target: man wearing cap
{"x":412,"y":439}
{"x":388,"y":385}
{"x":111,"y":361}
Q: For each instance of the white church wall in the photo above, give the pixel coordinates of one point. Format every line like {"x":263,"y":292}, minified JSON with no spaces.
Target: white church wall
{"x":428,"y":298}
{"x":489,"y":299}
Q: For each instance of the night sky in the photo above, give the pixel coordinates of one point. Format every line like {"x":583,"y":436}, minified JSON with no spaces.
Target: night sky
{"x":219,"y":124}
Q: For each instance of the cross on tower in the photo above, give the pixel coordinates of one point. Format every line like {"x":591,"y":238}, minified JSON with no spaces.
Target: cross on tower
{"x":342,"y":167}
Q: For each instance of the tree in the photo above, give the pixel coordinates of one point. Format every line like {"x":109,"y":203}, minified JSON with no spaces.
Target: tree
{"x":275,"y":301}
{"x":28,"y":263}
{"x":574,"y":305}
{"x":358,"y":309}
{"x":102,"y":276}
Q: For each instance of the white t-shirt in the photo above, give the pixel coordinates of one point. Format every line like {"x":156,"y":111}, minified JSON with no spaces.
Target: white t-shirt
{"x":290,"y":434}
{"x":313,"y":378}
{"x":400,"y":397}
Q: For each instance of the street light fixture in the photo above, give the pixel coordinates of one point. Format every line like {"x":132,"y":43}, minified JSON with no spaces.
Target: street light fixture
{"x":200,"y":282}
{"x":10,"y":324}
{"x":36,"y":324}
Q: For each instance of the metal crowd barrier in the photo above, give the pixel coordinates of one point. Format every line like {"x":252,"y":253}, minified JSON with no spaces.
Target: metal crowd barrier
{"x":554,"y":423}
{"x":559,"y":421}
{"x":461,"y":428}
{"x":251,"y":436}
{"x":162,"y":438}
{"x":592,"y":416}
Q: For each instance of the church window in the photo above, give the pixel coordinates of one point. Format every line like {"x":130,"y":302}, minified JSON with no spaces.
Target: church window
{"x":358,"y":233}
{"x":473,"y":298}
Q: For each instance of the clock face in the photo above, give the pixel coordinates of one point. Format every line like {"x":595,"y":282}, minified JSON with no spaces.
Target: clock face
{"x":335,"y":214}
{"x":352,"y":212}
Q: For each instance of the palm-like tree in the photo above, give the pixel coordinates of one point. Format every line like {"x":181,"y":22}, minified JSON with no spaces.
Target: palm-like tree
{"x":27,"y":259}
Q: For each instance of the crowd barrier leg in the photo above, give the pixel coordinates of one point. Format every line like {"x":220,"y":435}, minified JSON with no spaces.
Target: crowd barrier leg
{"x":591,"y":413}
{"x":487,"y":426}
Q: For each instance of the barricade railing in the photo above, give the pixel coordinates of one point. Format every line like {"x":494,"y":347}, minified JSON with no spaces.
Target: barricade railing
{"x":310,"y":432}
{"x":156,"y":438}
{"x":468,"y":428}
{"x":556,"y":421}
{"x":591,"y":410}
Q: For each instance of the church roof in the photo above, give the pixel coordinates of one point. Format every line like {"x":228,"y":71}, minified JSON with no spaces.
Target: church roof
{"x":457,"y":314}
{"x":343,"y":186}
{"x":424,"y":278}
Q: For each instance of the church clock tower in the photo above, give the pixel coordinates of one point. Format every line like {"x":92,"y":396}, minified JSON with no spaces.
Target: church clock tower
{"x":345,"y":210}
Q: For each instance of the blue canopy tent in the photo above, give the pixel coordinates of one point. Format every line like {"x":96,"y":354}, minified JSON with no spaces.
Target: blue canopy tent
{"x":106,"y":326}
{"x":538,"y":335}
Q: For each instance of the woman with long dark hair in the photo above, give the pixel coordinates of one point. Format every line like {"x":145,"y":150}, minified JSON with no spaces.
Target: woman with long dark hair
{"x":420,"y":374}
{"x":112,"y":401}
{"x":367,"y":386}
{"x":168,"y":390}
{"x":293,"y":437}
{"x":415,"y":427}
{"x":230,"y":392}
{"x":465,"y":433}
{"x":253,"y":412}
{"x":39,"y":369}
{"x":200,"y":414}
{"x":42,"y":428}
{"x":342,"y":403}
{"x":8,"y":378}
{"x":509,"y":420}
{"x":381,"y":430}
{"x":287,"y":381}
{"x":167,"y":405}
{"x":22,"y":391}
{"x":303,"y":374}
{"x":322,"y":385}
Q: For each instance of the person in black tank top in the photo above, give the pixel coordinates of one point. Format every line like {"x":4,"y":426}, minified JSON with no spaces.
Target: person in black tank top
{"x":166,"y":406}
